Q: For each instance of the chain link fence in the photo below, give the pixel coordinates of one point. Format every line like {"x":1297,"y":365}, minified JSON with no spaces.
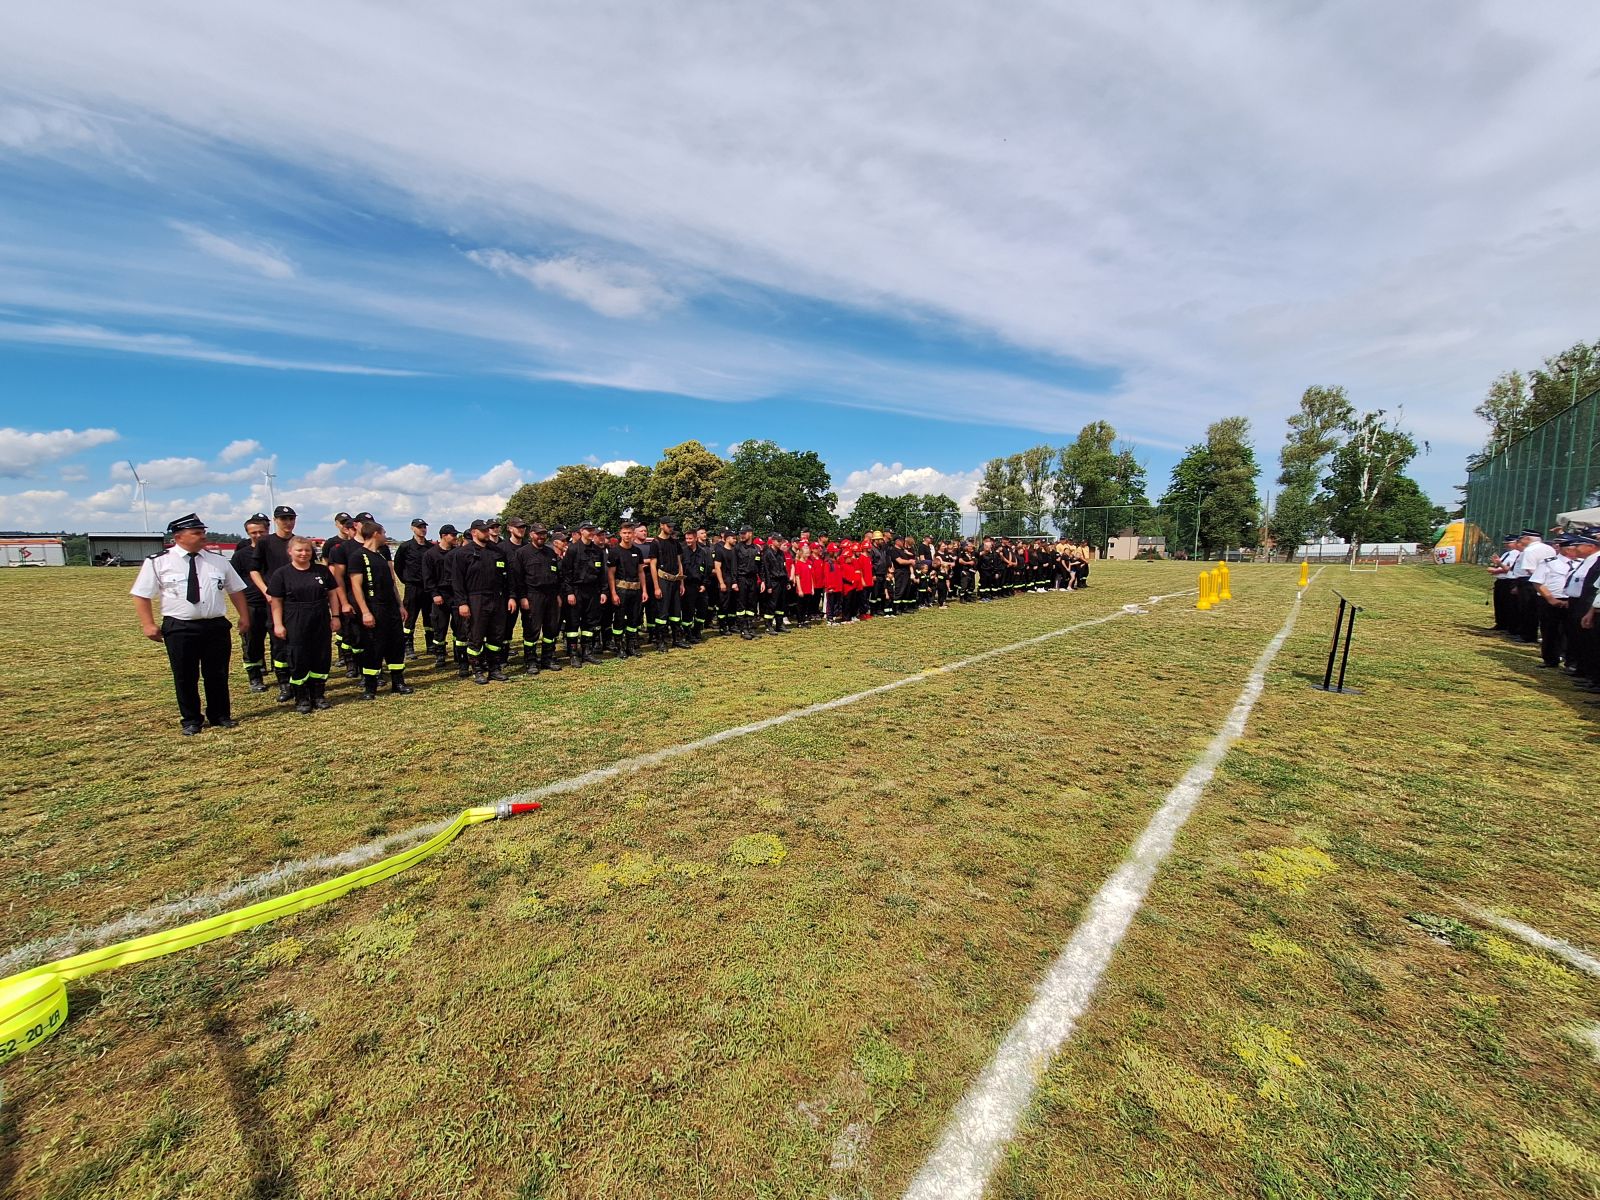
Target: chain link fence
{"x":1552,"y":469}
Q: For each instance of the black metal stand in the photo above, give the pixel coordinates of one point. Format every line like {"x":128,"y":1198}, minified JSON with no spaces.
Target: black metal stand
{"x":1342,"y":630}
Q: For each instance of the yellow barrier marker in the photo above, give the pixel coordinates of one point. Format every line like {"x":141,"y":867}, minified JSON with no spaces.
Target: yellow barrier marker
{"x":1305,"y":572}
{"x":1227,"y":578}
{"x":33,"y":1004}
{"x":1204,"y":603}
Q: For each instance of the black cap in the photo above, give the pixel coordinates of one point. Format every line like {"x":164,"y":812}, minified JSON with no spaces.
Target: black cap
{"x":187,"y":521}
{"x":341,"y":518}
{"x":492,"y":522}
{"x":283,"y":510}
{"x":257,"y":519}
{"x":1529,"y":533}
{"x":1579,"y":538}
{"x":517,"y":523}
{"x":418,"y":523}
{"x":448,"y":529}
{"x":585,"y":525}
{"x":538,"y":527}
{"x":745,"y":530}
{"x":365,"y":516}
{"x":480,"y":523}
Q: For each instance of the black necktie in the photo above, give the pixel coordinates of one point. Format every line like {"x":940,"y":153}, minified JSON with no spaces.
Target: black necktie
{"x":194,"y":580}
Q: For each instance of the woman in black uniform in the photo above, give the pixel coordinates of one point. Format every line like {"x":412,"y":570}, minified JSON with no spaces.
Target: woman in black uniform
{"x":305,"y":600}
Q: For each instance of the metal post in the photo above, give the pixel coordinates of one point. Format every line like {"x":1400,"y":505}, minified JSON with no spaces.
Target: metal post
{"x":1338,"y":626}
{"x":1344,"y":661}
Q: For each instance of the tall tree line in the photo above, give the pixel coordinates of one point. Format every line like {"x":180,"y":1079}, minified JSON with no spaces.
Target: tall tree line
{"x":1091,"y":488}
{"x":1516,"y":402}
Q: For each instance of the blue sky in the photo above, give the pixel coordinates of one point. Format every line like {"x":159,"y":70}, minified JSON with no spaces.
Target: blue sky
{"x":405,"y":262}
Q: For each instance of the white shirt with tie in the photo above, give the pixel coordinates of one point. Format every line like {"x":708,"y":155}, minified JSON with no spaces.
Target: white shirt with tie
{"x":1530,"y":557}
{"x":167,"y":576}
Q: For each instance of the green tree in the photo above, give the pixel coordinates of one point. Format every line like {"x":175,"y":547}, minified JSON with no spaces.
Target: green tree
{"x":934,"y":515}
{"x":1315,"y":431}
{"x":683,"y":486}
{"x":1561,"y":382}
{"x":562,"y":500}
{"x":1217,"y":480}
{"x":775,"y":490}
{"x":1188,"y":489}
{"x":1033,"y":473}
{"x":1505,"y":409}
{"x":1097,"y":490}
{"x":1002,"y":502}
{"x":619,"y":496}
{"x":1362,"y":477}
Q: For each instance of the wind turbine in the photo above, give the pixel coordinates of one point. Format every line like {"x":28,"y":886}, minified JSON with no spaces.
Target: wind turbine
{"x":144,"y":502}
{"x":272,"y":495}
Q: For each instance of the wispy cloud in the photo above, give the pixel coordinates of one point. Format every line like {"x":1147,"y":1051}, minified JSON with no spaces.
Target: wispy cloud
{"x":258,"y":257}
{"x":166,"y":345}
{"x":610,"y":289}
{"x":897,"y":479}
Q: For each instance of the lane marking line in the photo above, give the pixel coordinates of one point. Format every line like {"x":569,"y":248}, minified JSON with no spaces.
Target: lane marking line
{"x":988,"y":1116}
{"x":131,"y":924}
{"x":1566,"y":951}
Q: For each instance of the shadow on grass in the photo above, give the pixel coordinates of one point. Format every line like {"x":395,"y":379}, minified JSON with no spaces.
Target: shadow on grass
{"x":270,"y":1175}
{"x":1520,"y":662}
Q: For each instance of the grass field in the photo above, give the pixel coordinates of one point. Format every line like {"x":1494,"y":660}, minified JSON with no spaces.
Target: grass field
{"x":772,"y":968}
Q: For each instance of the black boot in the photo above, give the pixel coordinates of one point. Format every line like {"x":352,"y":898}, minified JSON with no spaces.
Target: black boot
{"x":497,"y":673}
{"x":319,"y":694}
{"x":398,"y":684}
{"x":677,"y":638}
{"x":625,"y":646}
{"x":257,"y":683}
{"x":439,"y":659}
{"x":285,"y":691}
{"x":575,"y":651}
{"x":590,"y":651}
{"x":302,"y":698}
{"x":547,"y":660}
{"x":530,"y":660}
{"x":369,"y":687}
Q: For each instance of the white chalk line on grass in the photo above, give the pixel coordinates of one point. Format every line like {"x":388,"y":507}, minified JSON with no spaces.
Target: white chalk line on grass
{"x":987,"y":1117}
{"x":1566,"y":951}
{"x":207,"y":903}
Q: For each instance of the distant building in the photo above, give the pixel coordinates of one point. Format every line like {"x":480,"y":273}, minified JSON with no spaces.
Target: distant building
{"x":131,"y":548}
{"x":1128,"y":545}
{"x":32,"y":552}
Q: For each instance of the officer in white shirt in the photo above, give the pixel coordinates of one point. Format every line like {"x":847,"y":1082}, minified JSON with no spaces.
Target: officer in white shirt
{"x":1582,"y":643}
{"x":1505,"y":605}
{"x":1532,"y":551}
{"x":195,"y":586}
{"x":1549,"y":583}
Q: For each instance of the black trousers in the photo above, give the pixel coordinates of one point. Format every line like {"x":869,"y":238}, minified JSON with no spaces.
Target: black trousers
{"x":382,"y":644}
{"x":583,"y":618}
{"x":543,"y":618}
{"x":254,"y":639}
{"x":1504,"y":605}
{"x":418,"y":604}
{"x":696,"y":603}
{"x":1527,"y":627}
{"x":628,"y":614}
{"x":486,"y":629}
{"x":749,"y":602}
{"x":1552,"y":632}
{"x":199,"y":649}
{"x":1583,"y":645}
{"x":308,"y":650}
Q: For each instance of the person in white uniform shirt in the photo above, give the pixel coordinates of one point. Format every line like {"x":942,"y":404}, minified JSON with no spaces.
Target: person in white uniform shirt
{"x":1549,"y":583}
{"x":1579,"y":595}
{"x":195,"y":586}
{"x":1505,"y":605}
{"x":1532,"y":551}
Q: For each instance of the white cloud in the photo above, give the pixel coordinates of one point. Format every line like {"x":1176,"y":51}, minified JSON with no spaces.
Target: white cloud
{"x":21,"y":453}
{"x":166,"y":345}
{"x":35,"y":129}
{"x":1165,"y":198}
{"x":236,"y":450}
{"x":262,"y":259}
{"x":74,"y":474}
{"x":610,"y":289}
{"x":618,"y":466}
{"x":896,"y":479}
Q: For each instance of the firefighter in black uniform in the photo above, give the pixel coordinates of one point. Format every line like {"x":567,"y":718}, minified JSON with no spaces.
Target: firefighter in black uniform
{"x":626,"y":580}
{"x":305,"y":601}
{"x":747,"y":577}
{"x":272,"y":553}
{"x":438,"y":590}
{"x":583,"y":575}
{"x":536,"y":584}
{"x":666,"y":586}
{"x":418,"y":604}
{"x":726,"y":577}
{"x":697,"y":585}
{"x":991,"y":571}
{"x":774,"y":582}
{"x":248,"y":563}
{"x":482,"y":599}
{"x":902,"y":558}
{"x":376,"y":591}
{"x":513,"y":548}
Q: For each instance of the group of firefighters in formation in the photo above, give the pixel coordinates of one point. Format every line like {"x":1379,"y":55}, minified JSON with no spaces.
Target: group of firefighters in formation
{"x":1548,"y":593}
{"x":604,"y":592}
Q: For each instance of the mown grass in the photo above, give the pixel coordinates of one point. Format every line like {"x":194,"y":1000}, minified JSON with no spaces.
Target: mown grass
{"x":769,"y":970}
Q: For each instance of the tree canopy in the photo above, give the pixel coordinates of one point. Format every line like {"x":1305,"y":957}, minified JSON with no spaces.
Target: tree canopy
{"x":772,"y":489}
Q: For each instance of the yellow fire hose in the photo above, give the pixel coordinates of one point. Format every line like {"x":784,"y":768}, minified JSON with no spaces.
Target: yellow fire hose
{"x":33,"y":1004}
